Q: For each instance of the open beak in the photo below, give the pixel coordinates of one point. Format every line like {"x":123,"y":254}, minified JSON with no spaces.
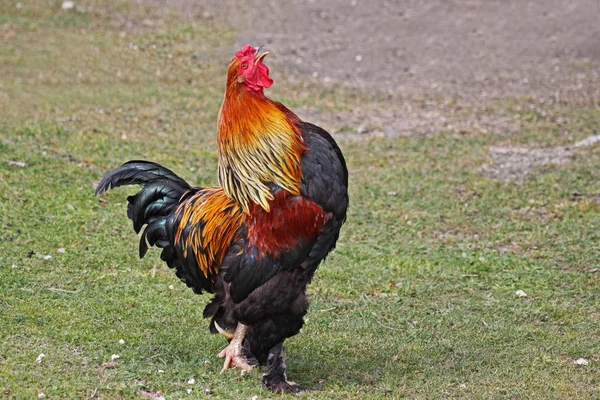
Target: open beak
{"x":260,"y":57}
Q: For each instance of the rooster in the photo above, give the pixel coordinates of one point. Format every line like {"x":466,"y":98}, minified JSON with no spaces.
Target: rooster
{"x":256,"y":240}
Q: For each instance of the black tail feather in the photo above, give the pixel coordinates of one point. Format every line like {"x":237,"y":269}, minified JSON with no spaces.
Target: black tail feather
{"x":139,"y":172}
{"x":154,"y":205}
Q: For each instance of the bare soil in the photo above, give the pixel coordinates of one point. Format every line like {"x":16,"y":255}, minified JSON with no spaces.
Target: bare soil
{"x":515,"y":163}
{"x":465,"y":48}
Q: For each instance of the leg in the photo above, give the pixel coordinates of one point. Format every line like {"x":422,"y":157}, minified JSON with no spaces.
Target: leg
{"x":276,"y":379}
{"x":233,"y":352}
{"x":262,"y":337}
{"x":265,"y":342}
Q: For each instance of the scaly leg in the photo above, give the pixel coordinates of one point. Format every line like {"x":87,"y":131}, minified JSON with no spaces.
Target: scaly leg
{"x":233,"y":352}
{"x":276,"y":378}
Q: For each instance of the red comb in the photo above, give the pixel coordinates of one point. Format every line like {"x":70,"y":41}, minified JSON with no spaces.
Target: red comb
{"x":247,"y":50}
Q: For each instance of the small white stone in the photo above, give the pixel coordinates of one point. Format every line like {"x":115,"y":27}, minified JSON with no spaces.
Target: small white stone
{"x":171,"y":287}
{"x":61,"y":250}
{"x":581,"y":361}
{"x":160,"y":371}
{"x":47,"y":257}
{"x":521,"y":293}
{"x":359,"y":58}
{"x":41,"y":395}
{"x":121,"y":341}
{"x":114,"y":357}
{"x":39,"y":358}
{"x":191,"y":381}
{"x":188,"y":390}
{"x":67,"y":5}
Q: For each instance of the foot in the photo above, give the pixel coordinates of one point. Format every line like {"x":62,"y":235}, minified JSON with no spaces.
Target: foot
{"x":233,"y":352}
{"x":284,"y":387}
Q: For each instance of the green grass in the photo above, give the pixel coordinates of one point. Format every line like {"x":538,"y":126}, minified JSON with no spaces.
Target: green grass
{"x":417,"y":301}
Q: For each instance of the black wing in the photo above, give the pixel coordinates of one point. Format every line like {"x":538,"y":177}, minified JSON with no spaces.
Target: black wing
{"x":326,"y":183}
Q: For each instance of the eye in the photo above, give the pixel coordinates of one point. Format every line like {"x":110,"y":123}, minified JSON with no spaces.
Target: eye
{"x":244,"y":65}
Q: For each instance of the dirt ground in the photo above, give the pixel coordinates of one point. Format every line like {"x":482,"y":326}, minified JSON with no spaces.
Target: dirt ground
{"x":459,"y":48}
{"x":424,"y":62}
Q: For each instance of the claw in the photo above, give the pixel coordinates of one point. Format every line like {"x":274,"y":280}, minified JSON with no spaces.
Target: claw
{"x":285,"y":387}
{"x":233,"y":352}
{"x":223,"y":332}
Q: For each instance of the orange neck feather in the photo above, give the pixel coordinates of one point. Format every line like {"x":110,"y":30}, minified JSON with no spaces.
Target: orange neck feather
{"x":259,"y":142}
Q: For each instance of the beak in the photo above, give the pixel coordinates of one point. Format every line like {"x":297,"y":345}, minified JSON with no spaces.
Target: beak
{"x":260,"y":57}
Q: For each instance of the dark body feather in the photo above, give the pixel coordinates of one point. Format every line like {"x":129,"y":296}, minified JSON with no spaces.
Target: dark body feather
{"x":257,"y":264}
{"x":268,"y":292}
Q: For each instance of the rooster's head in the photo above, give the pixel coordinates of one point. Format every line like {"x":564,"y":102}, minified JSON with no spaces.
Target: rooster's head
{"x":247,"y":69}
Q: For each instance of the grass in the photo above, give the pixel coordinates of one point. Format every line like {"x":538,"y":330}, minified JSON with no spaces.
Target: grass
{"x":418,"y":300}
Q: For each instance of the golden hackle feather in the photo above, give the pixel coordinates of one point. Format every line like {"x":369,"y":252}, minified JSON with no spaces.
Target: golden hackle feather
{"x":259,"y":143}
{"x":213,"y":220}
